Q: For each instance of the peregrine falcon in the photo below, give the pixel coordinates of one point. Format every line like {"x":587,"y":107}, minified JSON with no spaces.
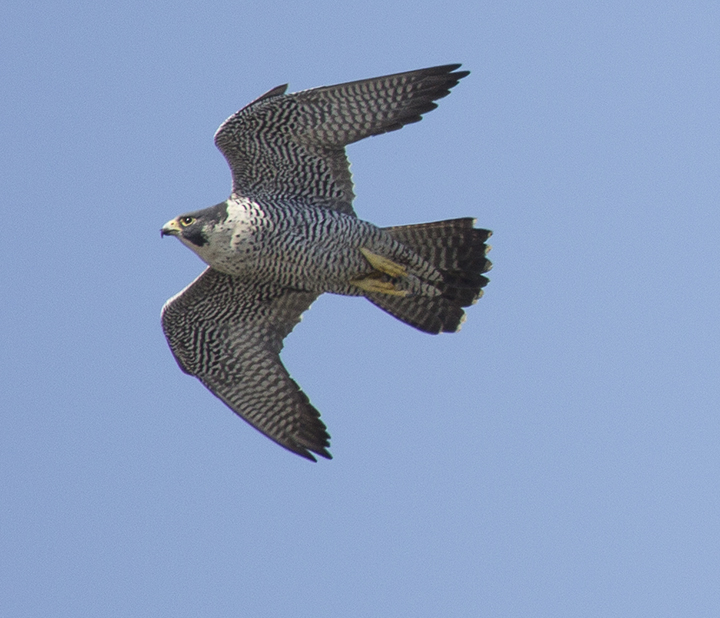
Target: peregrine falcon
{"x":288,"y":233}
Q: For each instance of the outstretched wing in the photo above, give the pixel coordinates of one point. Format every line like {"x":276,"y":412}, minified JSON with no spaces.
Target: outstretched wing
{"x":229,"y":333}
{"x":293,"y":146}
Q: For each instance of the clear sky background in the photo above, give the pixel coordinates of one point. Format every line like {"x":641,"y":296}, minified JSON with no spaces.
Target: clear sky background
{"x":558,"y":457}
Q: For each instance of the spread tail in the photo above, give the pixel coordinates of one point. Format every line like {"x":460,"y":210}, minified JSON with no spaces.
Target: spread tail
{"x":457,"y":250}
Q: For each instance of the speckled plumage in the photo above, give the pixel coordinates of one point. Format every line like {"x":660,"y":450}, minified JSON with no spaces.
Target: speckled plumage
{"x":288,"y":233}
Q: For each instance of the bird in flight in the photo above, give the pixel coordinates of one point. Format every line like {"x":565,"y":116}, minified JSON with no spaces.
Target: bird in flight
{"x":288,"y":233}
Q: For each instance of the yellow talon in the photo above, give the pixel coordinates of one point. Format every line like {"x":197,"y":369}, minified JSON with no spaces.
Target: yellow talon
{"x":373,"y":284}
{"x":378,"y":262}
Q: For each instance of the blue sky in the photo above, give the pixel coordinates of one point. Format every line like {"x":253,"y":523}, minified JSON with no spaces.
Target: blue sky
{"x":558,"y":457}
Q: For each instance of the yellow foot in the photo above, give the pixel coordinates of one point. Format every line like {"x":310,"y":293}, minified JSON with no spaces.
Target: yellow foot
{"x":371,"y":283}
{"x":378,"y":262}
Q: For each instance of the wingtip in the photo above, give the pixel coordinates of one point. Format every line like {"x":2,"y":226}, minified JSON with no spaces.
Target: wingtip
{"x":452,"y":70}
{"x":306,"y":454}
{"x":448,"y":68}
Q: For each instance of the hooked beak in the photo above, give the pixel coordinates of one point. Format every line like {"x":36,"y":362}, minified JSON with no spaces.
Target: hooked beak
{"x":171,"y":228}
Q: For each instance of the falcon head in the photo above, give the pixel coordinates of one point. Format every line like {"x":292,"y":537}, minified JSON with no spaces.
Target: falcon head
{"x":188,"y":228}
{"x":196,"y":229}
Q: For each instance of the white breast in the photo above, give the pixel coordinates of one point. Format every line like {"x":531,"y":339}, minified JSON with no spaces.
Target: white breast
{"x":232,"y":245}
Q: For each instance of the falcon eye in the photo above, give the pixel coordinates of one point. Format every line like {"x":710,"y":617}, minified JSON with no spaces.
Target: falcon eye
{"x":185,"y":221}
